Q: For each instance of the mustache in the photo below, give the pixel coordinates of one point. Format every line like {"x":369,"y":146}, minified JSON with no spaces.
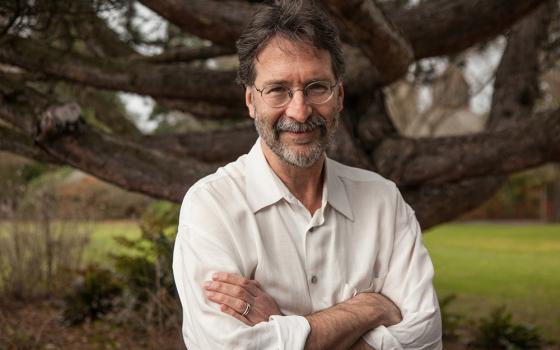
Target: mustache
{"x":290,"y":125}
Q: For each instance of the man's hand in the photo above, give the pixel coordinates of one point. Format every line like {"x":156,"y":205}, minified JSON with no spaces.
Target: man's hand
{"x":233,"y":292}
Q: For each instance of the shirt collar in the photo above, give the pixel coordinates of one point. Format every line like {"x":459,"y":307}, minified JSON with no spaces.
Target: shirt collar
{"x":263,"y":188}
{"x":337,"y":196}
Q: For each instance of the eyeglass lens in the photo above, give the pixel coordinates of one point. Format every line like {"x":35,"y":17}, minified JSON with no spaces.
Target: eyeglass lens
{"x":316,"y":93}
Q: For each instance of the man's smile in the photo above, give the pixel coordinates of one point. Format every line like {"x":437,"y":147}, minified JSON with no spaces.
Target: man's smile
{"x":302,"y":137}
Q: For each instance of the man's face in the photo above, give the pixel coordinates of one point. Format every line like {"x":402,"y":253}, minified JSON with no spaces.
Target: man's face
{"x":299,"y":132}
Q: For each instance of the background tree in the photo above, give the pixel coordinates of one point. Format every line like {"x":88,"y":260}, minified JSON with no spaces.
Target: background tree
{"x":60,"y":60}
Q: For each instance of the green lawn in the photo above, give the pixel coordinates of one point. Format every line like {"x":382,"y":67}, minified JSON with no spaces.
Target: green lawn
{"x":102,"y":241}
{"x":100,"y":234}
{"x":487,"y":265}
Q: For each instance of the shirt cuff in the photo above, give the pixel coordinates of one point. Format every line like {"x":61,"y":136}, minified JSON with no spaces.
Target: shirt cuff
{"x":292,"y":331}
{"x":381,"y":339}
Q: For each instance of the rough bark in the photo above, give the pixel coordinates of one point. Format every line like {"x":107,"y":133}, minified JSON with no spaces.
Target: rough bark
{"x":179,"y":81}
{"x":435,"y":204}
{"x":213,"y":147}
{"x":202,"y":17}
{"x":443,"y":27}
{"x":447,"y":159}
{"x":372,"y":123}
{"x":464,"y":22}
{"x":367,"y":25}
{"x":62,"y":134}
{"x":517,"y":86}
{"x":186,"y":54}
{"x":17,"y":143}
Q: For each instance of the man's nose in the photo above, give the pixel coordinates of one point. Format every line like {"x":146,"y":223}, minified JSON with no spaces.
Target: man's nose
{"x":298,"y":109}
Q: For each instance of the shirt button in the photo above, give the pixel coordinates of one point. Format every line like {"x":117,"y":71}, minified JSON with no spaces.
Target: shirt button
{"x":314,"y":279}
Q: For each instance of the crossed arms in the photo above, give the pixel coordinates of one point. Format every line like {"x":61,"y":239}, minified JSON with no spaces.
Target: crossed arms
{"x":338,"y":327}
{"x":214,"y":321}
{"x":402,"y":272}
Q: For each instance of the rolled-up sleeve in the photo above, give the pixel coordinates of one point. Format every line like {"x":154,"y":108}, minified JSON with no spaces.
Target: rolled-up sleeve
{"x":409,"y":285}
{"x":199,"y":252}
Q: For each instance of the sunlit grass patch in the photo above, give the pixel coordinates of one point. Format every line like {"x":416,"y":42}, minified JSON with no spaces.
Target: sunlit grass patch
{"x":103,"y":243}
{"x":487,"y":265}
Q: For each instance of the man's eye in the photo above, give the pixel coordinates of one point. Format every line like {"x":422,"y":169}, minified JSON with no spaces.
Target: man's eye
{"x":317,"y":88}
{"x":275,"y":90}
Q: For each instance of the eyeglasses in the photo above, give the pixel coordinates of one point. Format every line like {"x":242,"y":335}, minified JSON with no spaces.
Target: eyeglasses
{"x":317,"y":92}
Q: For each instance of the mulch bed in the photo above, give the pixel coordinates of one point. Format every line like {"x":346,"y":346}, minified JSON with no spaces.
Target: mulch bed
{"x":38,"y":325}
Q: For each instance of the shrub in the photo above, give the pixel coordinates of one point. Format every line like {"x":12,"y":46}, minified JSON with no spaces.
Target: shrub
{"x":499,"y":332}
{"x":450,"y":321}
{"x":93,"y":295}
{"x":146,"y":267}
{"x":141,"y":293}
{"x":38,"y":252}
{"x":146,"y":270}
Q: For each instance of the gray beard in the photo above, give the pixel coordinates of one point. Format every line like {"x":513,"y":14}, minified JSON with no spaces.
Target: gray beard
{"x":315,"y":150}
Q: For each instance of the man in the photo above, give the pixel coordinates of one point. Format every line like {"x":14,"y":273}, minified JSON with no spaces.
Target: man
{"x":285,"y":248}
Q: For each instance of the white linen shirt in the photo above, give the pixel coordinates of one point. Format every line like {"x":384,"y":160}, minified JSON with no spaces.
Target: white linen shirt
{"x":364,"y":238}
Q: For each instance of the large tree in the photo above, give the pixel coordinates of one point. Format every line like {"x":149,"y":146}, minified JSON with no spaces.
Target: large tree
{"x":59,"y":59}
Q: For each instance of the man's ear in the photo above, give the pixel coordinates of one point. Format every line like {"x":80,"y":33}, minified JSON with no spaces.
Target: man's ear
{"x":340,"y":97}
{"x":249,"y":101}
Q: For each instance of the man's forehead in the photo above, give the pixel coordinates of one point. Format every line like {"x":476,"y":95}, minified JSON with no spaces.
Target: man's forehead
{"x":290,"y":48}
{"x":281,"y":51}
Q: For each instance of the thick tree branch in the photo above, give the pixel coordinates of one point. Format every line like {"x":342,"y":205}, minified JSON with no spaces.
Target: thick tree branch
{"x":449,"y":159}
{"x":367,"y":25}
{"x":204,"y":93}
{"x":457,"y":24}
{"x":517,"y":78}
{"x":17,"y":143}
{"x":179,"y":81}
{"x":202,"y":17}
{"x":205,"y":110}
{"x":211,"y":147}
{"x":222,"y":146}
{"x":346,"y":149}
{"x":65,"y":137}
{"x":471,"y":21}
{"x":358,"y":77}
{"x":187,"y":54}
{"x":102,"y":40}
{"x":14,"y":93}
{"x":443,"y":27}
{"x":373,"y":124}
{"x":435,"y":204}
{"x":59,"y":132}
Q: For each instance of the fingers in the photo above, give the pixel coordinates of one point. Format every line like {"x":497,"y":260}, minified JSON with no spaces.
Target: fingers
{"x":235,"y":304}
{"x":252,"y":286}
{"x":228,"y":289}
{"x":232,"y":292}
{"x":228,"y":310}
